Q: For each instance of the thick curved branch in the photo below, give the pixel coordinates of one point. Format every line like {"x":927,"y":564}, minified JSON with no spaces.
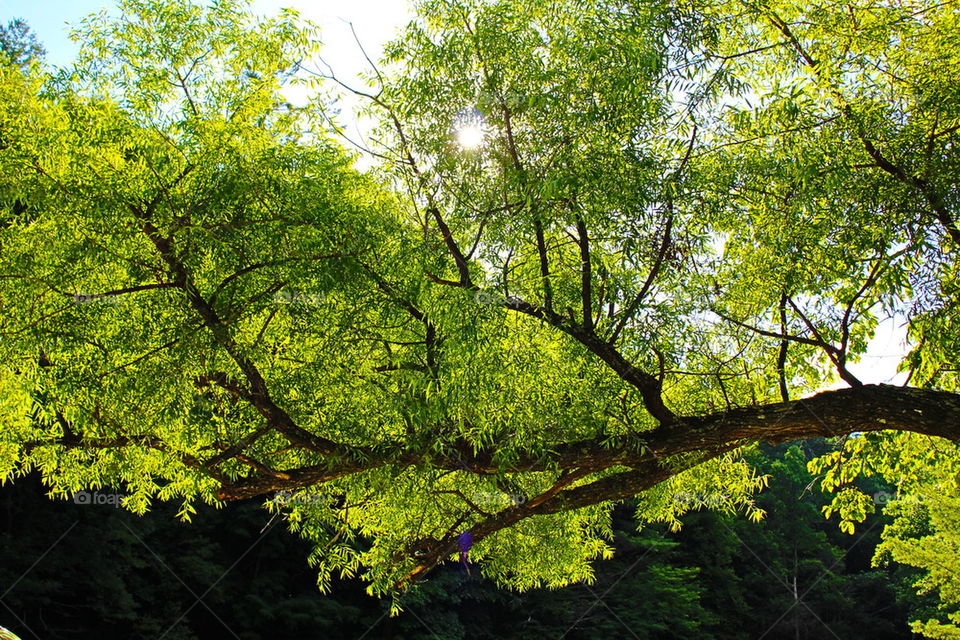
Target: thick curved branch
{"x":829,"y":414}
{"x":835,"y":413}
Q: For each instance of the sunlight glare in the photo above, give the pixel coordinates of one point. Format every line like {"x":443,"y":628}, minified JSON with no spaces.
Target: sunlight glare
{"x":470,"y":136}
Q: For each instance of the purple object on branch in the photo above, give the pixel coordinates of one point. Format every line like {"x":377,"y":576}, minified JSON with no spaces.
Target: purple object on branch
{"x":465,"y":540}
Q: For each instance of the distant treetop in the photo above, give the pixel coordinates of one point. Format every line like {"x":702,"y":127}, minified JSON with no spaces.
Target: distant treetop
{"x":19,"y":44}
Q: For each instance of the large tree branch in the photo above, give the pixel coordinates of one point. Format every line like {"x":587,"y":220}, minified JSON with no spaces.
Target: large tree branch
{"x":835,"y":413}
{"x":829,"y":414}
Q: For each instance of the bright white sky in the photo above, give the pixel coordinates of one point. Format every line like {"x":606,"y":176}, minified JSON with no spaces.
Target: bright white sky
{"x":376,"y":22}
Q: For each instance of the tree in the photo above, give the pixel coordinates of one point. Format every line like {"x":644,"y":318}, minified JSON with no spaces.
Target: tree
{"x":928,"y":538}
{"x":19,"y":45}
{"x":793,"y":575}
{"x":115,"y":575}
{"x":675,"y":227}
{"x":925,"y":534}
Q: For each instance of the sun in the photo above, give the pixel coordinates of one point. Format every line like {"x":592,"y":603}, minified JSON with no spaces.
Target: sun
{"x":470,"y":136}
{"x":469,"y":129}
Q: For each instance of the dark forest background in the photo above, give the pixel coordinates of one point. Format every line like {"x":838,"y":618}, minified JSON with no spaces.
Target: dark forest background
{"x":95,"y":571}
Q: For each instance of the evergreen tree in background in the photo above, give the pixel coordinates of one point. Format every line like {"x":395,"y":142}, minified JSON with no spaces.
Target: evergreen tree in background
{"x":19,"y":45}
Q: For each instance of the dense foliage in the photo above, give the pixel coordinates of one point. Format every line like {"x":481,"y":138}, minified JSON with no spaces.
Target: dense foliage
{"x":670,"y":224}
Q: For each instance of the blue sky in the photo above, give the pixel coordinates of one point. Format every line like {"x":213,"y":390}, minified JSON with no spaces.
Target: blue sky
{"x":48,"y":20}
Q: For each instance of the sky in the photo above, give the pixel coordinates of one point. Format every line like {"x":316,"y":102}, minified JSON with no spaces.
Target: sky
{"x":375,"y":23}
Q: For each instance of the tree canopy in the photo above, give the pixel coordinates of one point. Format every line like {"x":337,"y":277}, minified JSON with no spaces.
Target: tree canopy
{"x":673,"y":224}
